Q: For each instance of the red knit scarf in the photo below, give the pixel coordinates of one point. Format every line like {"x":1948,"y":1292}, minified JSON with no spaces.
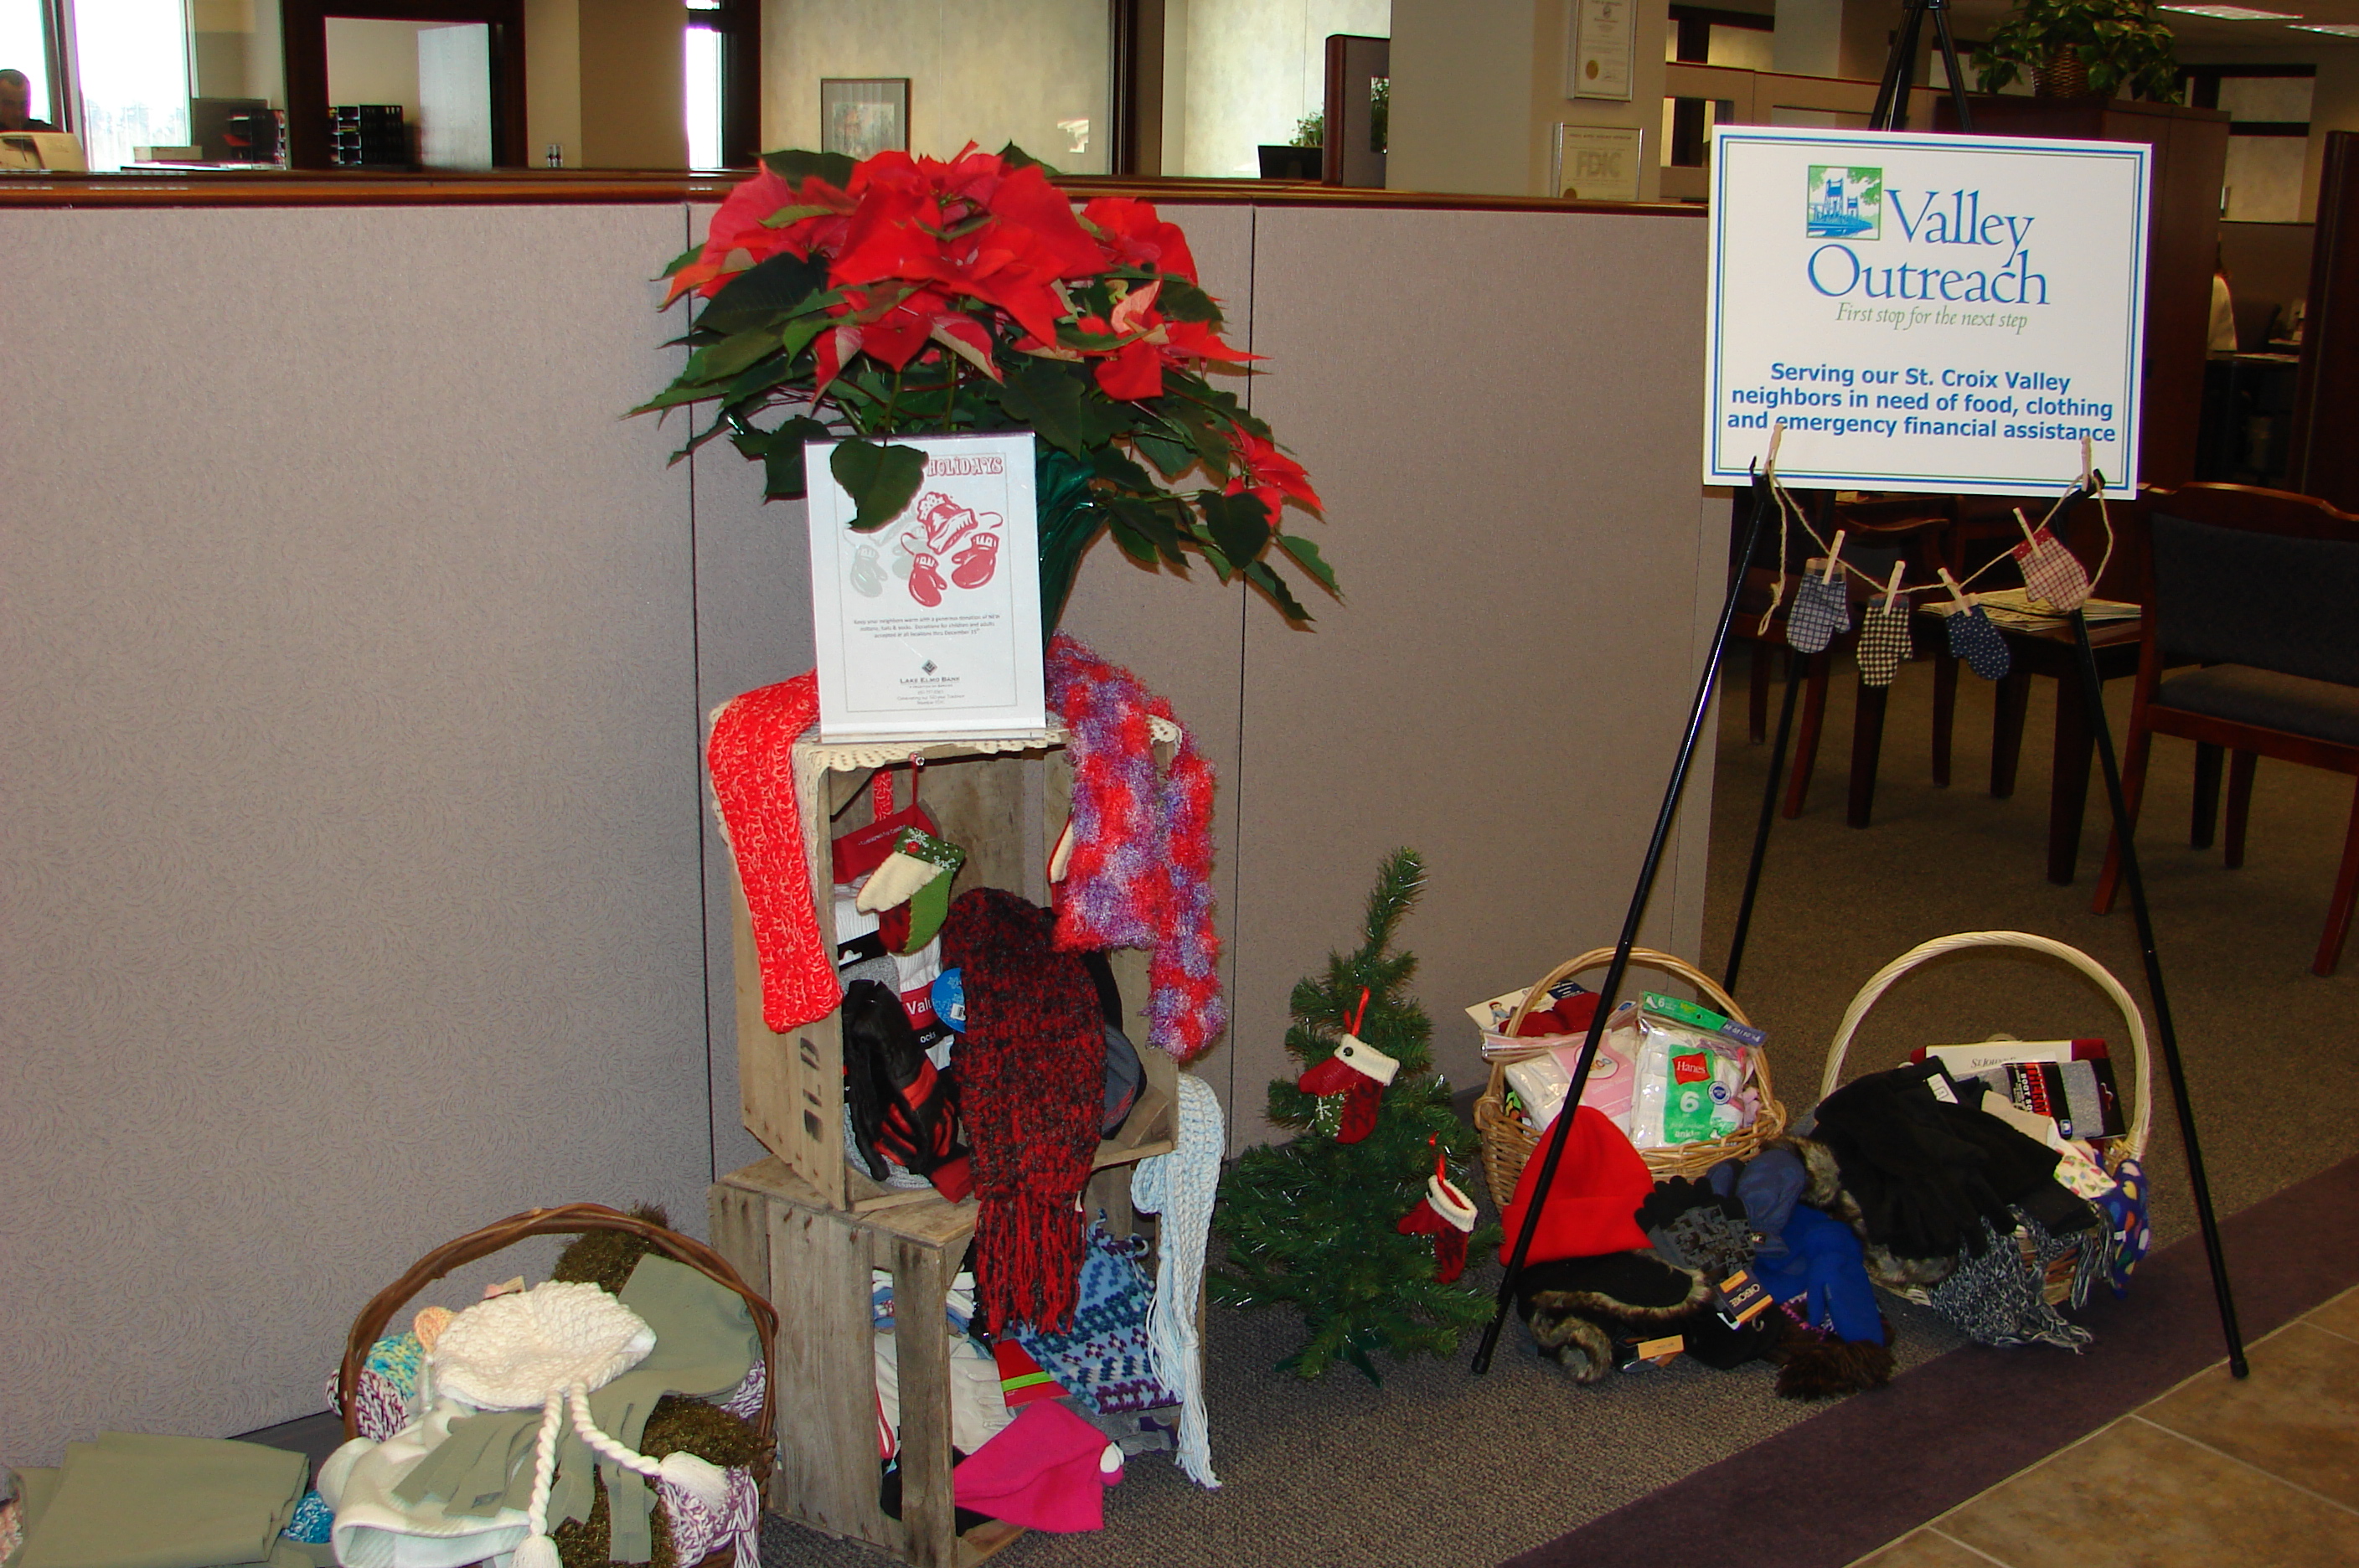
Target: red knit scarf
{"x":1031,"y":1072}
{"x":752,"y":758}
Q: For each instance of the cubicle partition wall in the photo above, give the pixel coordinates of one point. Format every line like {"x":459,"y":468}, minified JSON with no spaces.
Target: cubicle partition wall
{"x":359,"y":886}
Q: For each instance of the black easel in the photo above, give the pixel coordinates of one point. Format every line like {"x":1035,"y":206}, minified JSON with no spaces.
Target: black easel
{"x":1551,"y":1153}
{"x":1891,"y":111}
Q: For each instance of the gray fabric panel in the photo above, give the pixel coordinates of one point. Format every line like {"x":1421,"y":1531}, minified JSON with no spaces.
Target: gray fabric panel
{"x":2235,"y":596}
{"x":2321,"y":709}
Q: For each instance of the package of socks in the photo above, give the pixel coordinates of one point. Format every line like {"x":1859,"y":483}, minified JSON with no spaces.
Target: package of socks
{"x":1712,"y":1098}
{"x":1998,"y":1182}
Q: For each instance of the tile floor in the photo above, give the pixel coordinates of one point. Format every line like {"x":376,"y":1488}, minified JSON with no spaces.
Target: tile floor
{"x":2221,"y":1474}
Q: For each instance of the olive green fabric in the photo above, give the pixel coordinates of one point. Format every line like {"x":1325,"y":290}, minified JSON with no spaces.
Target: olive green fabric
{"x":705,"y":1344}
{"x":131,"y":1500}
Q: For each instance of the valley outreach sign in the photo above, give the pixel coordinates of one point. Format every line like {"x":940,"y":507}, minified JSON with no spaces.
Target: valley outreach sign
{"x":1924,"y":312}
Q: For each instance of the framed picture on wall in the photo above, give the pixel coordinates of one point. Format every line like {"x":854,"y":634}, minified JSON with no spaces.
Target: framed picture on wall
{"x":860,"y":116}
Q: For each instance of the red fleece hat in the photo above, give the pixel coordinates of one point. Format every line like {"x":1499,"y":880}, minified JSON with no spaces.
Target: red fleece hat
{"x":1599,"y":1185}
{"x":1048,"y":1469}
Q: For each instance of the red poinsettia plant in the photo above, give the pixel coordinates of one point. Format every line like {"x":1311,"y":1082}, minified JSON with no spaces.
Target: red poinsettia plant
{"x":901,"y":295}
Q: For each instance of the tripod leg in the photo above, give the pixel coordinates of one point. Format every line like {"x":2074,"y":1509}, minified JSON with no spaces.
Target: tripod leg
{"x":2093,"y":698}
{"x":1795,"y":665}
{"x":1950,"y":64}
{"x":1551,"y":1154}
{"x":1891,"y":111}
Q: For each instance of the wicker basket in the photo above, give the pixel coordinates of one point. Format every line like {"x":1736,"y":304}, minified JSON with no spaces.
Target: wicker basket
{"x":572,"y":1219}
{"x":1507,"y":1143}
{"x":2130,"y":1144}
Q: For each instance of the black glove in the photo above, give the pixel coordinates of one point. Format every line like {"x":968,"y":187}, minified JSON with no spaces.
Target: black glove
{"x":1695,"y":1227}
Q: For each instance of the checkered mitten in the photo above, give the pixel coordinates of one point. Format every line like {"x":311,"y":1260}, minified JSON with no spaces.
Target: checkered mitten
{"x":1975,"y":641}
{"x":1694,"y":1227}
{"x":1885,"y":643}
{"x":2052,"y":572}
{"x":1821,"y":610}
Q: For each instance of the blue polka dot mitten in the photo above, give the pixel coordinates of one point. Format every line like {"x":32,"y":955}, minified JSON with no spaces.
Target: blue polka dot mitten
{"x":1821,"y":609}
{"x":1979,"y":643}
{"x":1885,"y":643}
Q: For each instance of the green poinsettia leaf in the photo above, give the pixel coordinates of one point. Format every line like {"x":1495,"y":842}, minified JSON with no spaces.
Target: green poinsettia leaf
{"x":1240,"y":524}
{"x":1118,"y":470}
{"x":1133,"y":544}
{"x":1017,"y":158}
{"x":882,"y":480}
{"x":1171,"y":458}
{"x":762,"y":293}
{"x":678,"y":392}
{"x":783,"y":474}
{"x":1183,"y":301}
{"x":682,"y":259}
{"x":1306,"y":556}
{"x":1260,"y":574}
{"x":1157,"y":521}
{"x":795,"y":166}
{"x":730,"y":358}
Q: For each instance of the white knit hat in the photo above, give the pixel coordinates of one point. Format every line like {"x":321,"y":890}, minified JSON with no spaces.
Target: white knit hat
{"x":549,"y":1346}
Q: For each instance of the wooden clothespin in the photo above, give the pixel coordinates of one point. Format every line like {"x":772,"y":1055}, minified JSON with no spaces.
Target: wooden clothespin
{"x":1892,"y":589}
{"x":1834,"y":556}
{"x":1965,"y":600}
{"x":1769,"y":464}
{"x":2088,"y":473}
{"x":2030,"y":535}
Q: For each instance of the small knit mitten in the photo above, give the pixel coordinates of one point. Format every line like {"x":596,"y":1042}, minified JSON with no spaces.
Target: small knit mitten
{"x":1883,"y":641}
{"x":1694,"y":1226}
{"x":1359,"y":1072}
{"x":2052,"y":573}
{"x":1445,"y":1214}
{"x":1975,"y":641}
{"x":1821,"y":610}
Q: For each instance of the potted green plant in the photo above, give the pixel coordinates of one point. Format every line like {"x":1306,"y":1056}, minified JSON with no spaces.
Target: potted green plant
{"x":2073,"y":48}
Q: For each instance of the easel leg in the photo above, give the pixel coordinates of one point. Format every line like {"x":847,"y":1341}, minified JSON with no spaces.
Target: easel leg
{"x":2093,"y":703}
{"x":1550,"y":1153}
{"x":1795,"y":667}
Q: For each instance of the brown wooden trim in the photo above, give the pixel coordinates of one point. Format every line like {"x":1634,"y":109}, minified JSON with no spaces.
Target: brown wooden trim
{"x":606,"y":187}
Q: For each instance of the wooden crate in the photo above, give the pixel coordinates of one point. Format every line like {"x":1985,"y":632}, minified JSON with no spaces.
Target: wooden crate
{"x":1005,"y":808}
{"x":813,"y":1260}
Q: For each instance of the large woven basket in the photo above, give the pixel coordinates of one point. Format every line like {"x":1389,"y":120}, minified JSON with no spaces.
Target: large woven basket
{"x":1507,"y":1143}
{"x":571,"y":1219}
{"x":2129,"y":1146}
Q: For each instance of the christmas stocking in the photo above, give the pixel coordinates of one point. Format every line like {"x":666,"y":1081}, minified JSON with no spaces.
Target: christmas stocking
{"x":1821,"y":610}
{"x":2052,"y":573}
{"x":1883,"y":641}
{"x":1975,"y":641}
{"x":918,"y":873}
{"x":1446,"y":1215}
{"x":1359,"y":1072}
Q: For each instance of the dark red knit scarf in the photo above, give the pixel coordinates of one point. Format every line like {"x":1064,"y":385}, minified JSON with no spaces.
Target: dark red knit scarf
{"x":1031,"y":1073}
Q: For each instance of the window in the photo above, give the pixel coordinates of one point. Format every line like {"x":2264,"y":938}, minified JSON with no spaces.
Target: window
{"x":131,"y":62}
{"x":25,"y":46}
{"x":2268,"y":134}
{"x":721,"y":62}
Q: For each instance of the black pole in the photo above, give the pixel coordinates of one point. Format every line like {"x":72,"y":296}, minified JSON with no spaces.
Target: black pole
{"x":2093,"y":698}
{"x":1551,"y":1154}
{"x":1941,"y":10}
{"x":1891,"y":111}
{"x":1796,"y":665}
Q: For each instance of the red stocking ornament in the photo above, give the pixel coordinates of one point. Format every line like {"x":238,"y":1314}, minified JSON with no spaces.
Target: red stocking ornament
{"x":1446,"y":1215}
{"x":1359,"y":1072}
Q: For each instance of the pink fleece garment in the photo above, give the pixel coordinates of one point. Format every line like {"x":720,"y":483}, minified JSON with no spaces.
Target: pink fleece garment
{"x":1039,"y":1471}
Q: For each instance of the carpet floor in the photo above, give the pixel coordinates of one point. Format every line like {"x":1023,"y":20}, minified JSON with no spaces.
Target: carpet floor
{"x":1437,"y":1467}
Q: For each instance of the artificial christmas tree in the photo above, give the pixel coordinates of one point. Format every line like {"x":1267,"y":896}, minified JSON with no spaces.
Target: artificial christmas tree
{"x":1316,"y":1222}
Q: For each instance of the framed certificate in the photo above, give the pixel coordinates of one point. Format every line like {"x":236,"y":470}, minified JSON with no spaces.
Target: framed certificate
{"x":928,"y":629}
{"x":1597,"y":163}
{"x":1603,"y":41}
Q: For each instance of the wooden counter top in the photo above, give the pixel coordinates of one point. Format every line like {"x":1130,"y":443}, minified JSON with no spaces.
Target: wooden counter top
{"x":268,"y":188}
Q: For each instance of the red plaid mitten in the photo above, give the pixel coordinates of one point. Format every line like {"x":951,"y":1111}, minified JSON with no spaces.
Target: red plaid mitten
{"x":2052,"y":572}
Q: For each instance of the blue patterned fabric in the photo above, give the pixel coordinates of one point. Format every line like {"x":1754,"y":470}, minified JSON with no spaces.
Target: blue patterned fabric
{"x":1821,"y":610}
{"x":1883,"y":641}
{"x":2125,"y":1212}
{"x":313,"y":1520}
{"x":1104,"y":1357}
{"x":1979,"y":643}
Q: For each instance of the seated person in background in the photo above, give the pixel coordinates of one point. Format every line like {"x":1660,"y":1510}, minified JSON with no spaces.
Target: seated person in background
{"x":16,"y":99}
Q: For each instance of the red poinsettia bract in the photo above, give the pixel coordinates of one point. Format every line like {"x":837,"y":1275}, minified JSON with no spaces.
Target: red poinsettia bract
{"x":1269,"y":474}
{"x":741,"y":236}
{"x":1131,"y":236}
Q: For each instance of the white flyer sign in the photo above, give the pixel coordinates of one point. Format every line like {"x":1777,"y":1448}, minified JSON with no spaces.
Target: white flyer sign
{"x":1942,"y":314}
{"x":928,"y":629}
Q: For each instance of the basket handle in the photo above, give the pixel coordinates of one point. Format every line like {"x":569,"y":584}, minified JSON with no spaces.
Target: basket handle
{"x":571,"y":1219}
{"x":1884,"y":978}
{"x":1667,"y":962}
